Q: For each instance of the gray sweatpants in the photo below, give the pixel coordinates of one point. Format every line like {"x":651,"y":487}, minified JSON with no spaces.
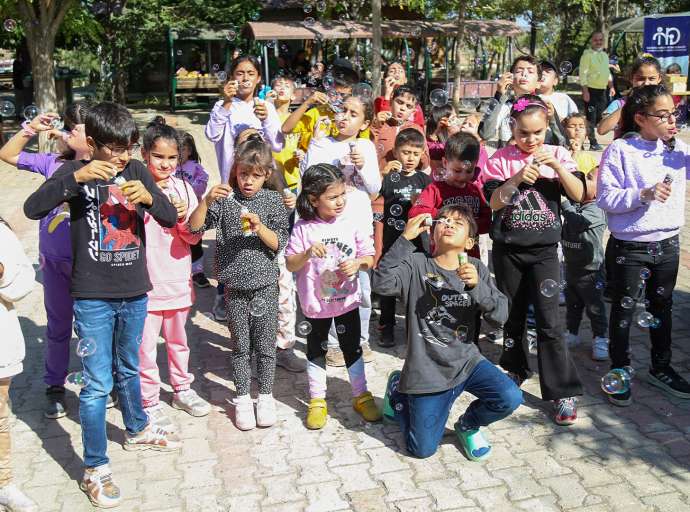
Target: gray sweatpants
{"x":584,"y":291}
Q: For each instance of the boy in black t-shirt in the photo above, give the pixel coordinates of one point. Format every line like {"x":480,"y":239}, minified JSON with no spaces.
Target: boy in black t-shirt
{"x":402,"y":183}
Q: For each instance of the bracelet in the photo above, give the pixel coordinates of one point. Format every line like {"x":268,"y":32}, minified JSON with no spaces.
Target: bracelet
{"x":28,"y":130}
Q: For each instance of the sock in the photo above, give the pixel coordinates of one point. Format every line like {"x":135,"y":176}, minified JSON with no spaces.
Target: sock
{"x":316,"y":374}
{"x":358,"y":380}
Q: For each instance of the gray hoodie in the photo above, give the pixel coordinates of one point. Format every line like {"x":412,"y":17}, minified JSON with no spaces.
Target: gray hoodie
{"x":583,"y":236}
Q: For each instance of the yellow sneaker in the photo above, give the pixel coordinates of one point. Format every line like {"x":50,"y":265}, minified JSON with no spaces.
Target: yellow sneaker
{"x":317,"y":414}
{"x":366,"y":407}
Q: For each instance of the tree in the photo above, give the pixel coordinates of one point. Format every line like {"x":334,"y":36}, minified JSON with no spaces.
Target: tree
{"x":376,"y":46}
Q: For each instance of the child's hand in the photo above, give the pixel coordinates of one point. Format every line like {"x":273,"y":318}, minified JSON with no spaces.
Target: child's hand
{"x":318,"y":250}
{"x":230,"y":90}
{"x":382,"y":117}
{"x":95,"y":170}
{"x":181,"y":207}
{"x":260,"y":109}
{"x":317,"y":98}
{"x":322,"y":127}
{"x":575,"y":145}
{"x":416,"y":225}
{"x":389,"y":84}
{"x":299,"y":155}
{"x":659,"y":192}
{"x":392,"y":166}
{"x":136,"y":193}
{"x":550,"y":110}
{"x":468,"y":274}
{"x":254,"y":221}
{"x":218,"y":192}
{"x":42,"y":122}
{"x":357,"y":158}
{"x":545,"y":157}
{"x":529,"y":174}
{"x":271,"y":96}
{"x":289,"y":201}
{"x":504,"y":82}
{"x":350,"y":267}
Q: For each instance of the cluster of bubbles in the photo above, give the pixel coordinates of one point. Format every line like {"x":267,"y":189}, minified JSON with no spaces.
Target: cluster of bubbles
{"x":86,"y":347}
{"x":617,"y":380}
{"x":396,"y":211}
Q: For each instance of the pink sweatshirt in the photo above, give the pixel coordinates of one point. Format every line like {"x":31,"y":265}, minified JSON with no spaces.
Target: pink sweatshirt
{"x":168,"y":256}
{"x":324,"y":292}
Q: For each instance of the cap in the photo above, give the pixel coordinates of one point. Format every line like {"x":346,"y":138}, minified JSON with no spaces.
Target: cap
{"x":547,"y":64}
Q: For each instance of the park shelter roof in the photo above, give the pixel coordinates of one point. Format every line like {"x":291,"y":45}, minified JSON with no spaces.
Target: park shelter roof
{"x":637,"y":24}
{"x":287,"y":30}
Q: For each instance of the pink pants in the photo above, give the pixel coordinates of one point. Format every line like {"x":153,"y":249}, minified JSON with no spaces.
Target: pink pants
{"x":287,"y":307}
{"x":173,"y":327}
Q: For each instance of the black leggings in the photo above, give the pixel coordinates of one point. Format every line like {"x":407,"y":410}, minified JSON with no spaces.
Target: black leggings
{"x":519,"y":274}
{"x":624,"y":261}
{"x":348,"y":329}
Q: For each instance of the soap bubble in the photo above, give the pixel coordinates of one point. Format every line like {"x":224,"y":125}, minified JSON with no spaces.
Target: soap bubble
{"x":645,"y":273}
{"x":309,"y":21}
{"x":86,"y":347}
{"x":400,"y":225}
{"x":623,"y":324}
{"x":509,"y":343}
{"x":548,"y":288}
{"x":231,"y":34}
{"x":7,"y":108}
{"x":9,"y":25}
{"x":439,"y":174}
{"x":257,"y":307}
{"x":617,"y":380}
{"x":645,"y":319}
{"x":399,"y":407}
{"x":57,"y":123}
{"x":363,"y":90}
{"x":396,"y":210}
{"x":179,"y":53}
{"x":395,"y":177}
{"x":599,"y":285}
{"x":31,"y":112}
{"x":222,"y":76}
{"x":340,"y":329}
{"x":80,"y":379}
{"x":307,"y":8}
{"x":270,"y":44}
{"x":627,"y":302}
{"x":324,"y":346}
{"x":656,"y":322}
{"x":390,"y":221}
{"x":461,"y":333}
{"x":654,"y":249}
{"x":328,"y":81}
{"x":620,"y":260}
{"x":215,"y":67}
{"x":565,"y":67}
{"x":509,"y":195}
{"x":660,"y":290}
{"x":255,"y":16}
{"x":438,"y":97}
{"x":303,"y":328}
{"x":563,"y":285}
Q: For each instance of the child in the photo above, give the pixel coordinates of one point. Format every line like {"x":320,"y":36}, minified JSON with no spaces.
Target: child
{"x":327,"y":248}
{"x":387,"y":125}
{"x":443,"y":122}
{"x":471,"y":125}
{"x":399,"y":193}
{"x":562,"y":103}
{"x":358,"y":162}
{"x":645,"y":71}
{"x":288,"y":160}
{"x":443,"y":295}
{"x":192,"y":171}
{"x":524,"y":183}
{"x":583,"y":237}
{"x":395,"y":77}
{"x":169,"y":263}
{"x":109,"y":281}
{"x":641,"y":187}
{"x":55,"y":250}
{"x":251,"y":229}
{"x":16,"y":281}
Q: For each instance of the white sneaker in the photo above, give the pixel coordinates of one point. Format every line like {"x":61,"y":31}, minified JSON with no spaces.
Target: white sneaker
{"x":12,"y":499}
{"x":244,"y":413}
{"x":158,"y":417}
{"x":219,"y":313}
{"x":600,"y":349}
{"x":191,"y":403}
{"x":266,"y":411}
{"x":572,"y":340}
{"x":98,"y":485}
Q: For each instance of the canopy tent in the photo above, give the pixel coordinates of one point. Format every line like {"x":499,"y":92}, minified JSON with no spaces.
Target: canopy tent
{"x":636,"y":25}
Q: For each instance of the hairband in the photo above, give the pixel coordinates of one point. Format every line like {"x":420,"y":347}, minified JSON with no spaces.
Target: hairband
{"x":523,"y":103}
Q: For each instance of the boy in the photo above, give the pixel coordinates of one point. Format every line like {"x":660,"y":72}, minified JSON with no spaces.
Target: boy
{"x":584,"y":225}
{"x":562,"y":103}
{"x":523,"y":78}
{"x":402,"y":183}
{"x":288,"y":160}
{"x":443,"y":294}
{"x":396,"y":77}
{"x":387,"y":125}
{"x":108,"y":197}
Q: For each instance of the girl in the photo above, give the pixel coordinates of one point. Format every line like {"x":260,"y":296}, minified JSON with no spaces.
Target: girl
{"x":251,"y":229}
{"x":16,"y":281}
{"x":190,"y":169}
{"x":327,"y":248}
{"x":524,"y":183}
{"x":645,"y":71}
{"x":55,"y":251}
{"x":641,"y":187}
{"x":357,"y":159}
{"x":239,"y":109}
{"x":443,"y":122}
{"x":169,"y":265}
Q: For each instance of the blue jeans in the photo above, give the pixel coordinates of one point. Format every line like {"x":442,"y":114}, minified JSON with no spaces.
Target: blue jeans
{"x":423,"y":417}
{"x":116,"y":325}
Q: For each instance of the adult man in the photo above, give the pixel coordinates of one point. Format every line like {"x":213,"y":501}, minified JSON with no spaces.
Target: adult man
{"x":595,"y":80}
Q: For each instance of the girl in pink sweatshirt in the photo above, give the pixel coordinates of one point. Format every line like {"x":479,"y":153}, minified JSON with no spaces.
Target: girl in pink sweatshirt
{"x":169,"y":264}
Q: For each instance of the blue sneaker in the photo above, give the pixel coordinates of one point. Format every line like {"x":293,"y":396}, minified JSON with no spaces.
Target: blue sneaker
{"x":473,"y":442}
{"x":391,"y":387}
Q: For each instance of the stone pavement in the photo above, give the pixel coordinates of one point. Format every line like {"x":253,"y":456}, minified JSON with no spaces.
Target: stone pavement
{"x":613,"y":459}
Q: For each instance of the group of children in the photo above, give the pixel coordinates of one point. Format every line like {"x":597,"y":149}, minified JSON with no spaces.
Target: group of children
{"x":335,"y":202}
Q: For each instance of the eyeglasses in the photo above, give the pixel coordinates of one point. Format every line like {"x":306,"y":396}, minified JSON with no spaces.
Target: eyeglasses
{"x":119,"y":150}
{"x":664,"y":117}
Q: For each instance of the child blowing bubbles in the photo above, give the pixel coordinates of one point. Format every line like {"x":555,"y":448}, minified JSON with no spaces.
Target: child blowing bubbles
{"x":248,"y":266}
{"x":525,"y":183}
{"x":443,"y":295}
{"x":327,"y":248}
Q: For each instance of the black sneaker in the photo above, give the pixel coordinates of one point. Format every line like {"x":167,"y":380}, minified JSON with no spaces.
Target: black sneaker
{"x":386,"y":338}
{"x":668,"y":380}
{"x":55,"y":407}
{"x":200,"y":280}
{"x":621,"y":399}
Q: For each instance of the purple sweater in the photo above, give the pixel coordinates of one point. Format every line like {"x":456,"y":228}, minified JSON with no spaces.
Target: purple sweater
{"x":54,"y":232}
{"x":628,"y":166}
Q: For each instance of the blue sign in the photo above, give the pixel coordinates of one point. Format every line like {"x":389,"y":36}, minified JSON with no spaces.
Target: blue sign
{"x":668,"y":39}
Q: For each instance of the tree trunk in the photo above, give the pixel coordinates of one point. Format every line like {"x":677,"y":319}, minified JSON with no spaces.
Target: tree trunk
{"x":376,"y":46}
{"x":460,"y":34}
{"x":533,"y":36}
